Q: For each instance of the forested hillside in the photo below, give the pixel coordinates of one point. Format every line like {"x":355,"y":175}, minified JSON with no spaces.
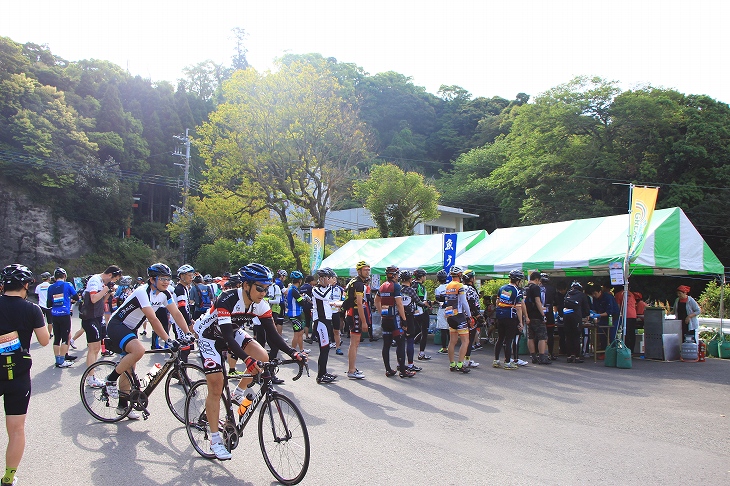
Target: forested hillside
{"x":86,"y":138}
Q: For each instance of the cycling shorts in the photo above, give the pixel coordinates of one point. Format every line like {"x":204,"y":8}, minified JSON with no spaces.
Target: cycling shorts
{"x":297,"y":323}
{"x":211,"y":350}
{"x":16,"y":394}
{"x":92,"y":327}
{"x":118,"y":336}
{"x":322,"y":333}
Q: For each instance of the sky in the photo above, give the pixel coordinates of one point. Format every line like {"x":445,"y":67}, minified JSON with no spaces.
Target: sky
{"x":490,"y":48}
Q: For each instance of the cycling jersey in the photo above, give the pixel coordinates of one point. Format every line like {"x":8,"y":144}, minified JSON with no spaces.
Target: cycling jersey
{"x":421,"y":292}
{"x":130,"y":312}
{"x":182,"y":298}
{"x":455,"y":299}
{"x":509,"y":297}
{"x":294,"y":302}
{"x":59,"y":298}
{"x":321,"y":308}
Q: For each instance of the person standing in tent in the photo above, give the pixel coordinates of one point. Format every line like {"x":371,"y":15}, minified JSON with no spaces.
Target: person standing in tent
{"x":509,"y":315}
{"x":576,"y":309}
{"x":687,"y":310}
{"x":441,"y":325}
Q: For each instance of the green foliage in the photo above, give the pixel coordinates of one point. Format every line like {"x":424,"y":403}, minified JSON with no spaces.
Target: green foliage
{"x":491,"y":287}
{"x":215,"y":258}
{"x":709,"y":300}
{"x":397,"y":200}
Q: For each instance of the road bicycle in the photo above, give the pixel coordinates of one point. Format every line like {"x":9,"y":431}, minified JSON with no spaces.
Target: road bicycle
{"x":283,"y":436}
{"x":180,"y":378}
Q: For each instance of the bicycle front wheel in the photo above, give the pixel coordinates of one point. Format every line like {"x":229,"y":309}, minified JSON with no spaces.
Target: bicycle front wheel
{"x":94,"y":395}
{"x":284,"y":439}
{"x":177,"y":387}
{"x":196,"y":420}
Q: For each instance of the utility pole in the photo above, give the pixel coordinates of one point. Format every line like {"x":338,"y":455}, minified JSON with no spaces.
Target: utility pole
{"x":185,"y":139}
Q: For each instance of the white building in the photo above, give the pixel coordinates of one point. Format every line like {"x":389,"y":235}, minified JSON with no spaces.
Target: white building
{"x":451,"y":220}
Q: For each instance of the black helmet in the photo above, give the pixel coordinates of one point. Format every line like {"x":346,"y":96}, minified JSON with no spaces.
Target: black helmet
{"x":59,"y":273}
{"x":419,"y":272}
{"x":544,"y":277}
{"x":576,"y":285}
{"x":391,"y":270}
{"x":405,"y":275}
{"x":45,"y":276}
{"x":468,"y":275}
{"x":17,"y":273}
{"x":326,"y":272}
{"x":255,"y":272}
{"x":516,"y":275}
{"x":159,"y":269}
{"x":441,"y":276}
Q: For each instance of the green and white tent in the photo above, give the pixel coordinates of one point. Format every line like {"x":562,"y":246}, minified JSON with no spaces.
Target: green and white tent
{"x":587,"y":246}
{"x":406,"y":253}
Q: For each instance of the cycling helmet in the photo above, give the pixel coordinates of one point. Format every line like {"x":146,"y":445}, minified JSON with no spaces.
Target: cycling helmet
{"x":234,"y":280}
{"x":391,"y":270}
{"x":126,"y":280}
{"x":45,"y":276}
{"x":576,"y":285}
{"x":185,"y":269}
{"x":326,"y":272}
{"x":59,"y":273}
{"x":361,"y":264}
{"x":296,"y":275}
{"x":255,"y":272}
{"x":419,"y":272}
{"x":16,"y":273}
{"x":207,"y":278}
{"x":456,"y":270}
{"x":441,"y":276}
{"x":468,"y":275}
{"x":516,"y":275}
{"x":159,"y":269}
{"x":544,"y":277}
{"x":282,"y":273}
{"x":405,"y":275}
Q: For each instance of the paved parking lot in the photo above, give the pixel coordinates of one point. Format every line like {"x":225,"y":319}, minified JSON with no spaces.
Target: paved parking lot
{"x":658,"y":423}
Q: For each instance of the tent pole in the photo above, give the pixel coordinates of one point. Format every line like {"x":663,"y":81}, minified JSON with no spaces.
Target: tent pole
{"x":722,"y":302}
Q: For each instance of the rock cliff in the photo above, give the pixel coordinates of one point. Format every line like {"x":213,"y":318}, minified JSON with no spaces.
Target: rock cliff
{"x":31,"y":235}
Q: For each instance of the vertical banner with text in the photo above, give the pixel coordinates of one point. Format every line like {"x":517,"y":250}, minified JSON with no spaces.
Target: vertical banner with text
{"x":449,"y":251}
{"x":643,"y":200}
{"x":315,"y":260}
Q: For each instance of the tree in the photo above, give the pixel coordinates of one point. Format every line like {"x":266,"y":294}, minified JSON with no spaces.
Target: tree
{"x":239,"y":59}
{"x":397,"y":200}
{"x":283,"y":140}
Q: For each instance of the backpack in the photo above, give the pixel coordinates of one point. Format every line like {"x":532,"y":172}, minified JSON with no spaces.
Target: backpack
{"x":205,"y":300}
{"x":572,"y":302}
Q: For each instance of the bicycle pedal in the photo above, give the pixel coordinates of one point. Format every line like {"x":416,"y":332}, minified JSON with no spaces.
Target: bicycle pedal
{"x":145,"y":414}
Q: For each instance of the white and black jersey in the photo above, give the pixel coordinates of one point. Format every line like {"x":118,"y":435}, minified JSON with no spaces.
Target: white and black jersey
{"x":230,"y":309}
{"x":322,"y":308}
{"x":130,"y":312}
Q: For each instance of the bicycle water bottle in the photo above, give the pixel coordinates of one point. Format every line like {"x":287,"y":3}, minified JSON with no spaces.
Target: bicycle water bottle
{"x":245,"y":403}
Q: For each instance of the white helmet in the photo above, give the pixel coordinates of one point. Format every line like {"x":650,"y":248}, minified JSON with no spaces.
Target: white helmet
{"x":185,"y":269}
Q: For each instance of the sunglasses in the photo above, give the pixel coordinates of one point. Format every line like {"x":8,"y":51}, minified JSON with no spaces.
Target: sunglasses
{"x":164,"y":279}
{"x":261,"y":288}
{"x":116,"y":273}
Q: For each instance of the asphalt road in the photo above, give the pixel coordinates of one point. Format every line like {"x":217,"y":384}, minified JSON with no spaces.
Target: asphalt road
{"x":657,"y":423}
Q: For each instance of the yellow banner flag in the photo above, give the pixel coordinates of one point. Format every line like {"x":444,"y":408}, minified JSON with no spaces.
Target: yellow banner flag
{"x":643,"y":200}
{"x":317,"y":255}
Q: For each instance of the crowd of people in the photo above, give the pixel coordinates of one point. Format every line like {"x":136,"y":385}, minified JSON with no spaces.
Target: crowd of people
{"x":219,"y":313}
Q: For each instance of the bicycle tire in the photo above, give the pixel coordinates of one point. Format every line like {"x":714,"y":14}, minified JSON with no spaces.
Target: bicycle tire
{"x":196,"y":423}
{"x":284,"y":439}
{"x":176,"y":391}
{"x":96,"y":401}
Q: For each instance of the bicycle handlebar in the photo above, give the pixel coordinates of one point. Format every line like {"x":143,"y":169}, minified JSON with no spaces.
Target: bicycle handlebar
{"x":277,"y":362}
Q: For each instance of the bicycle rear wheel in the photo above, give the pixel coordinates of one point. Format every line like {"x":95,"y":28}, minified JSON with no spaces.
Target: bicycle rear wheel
{"x":96,"y":400}
{"x":284,"y":439}
{"x":177,"y":387}
{"x":196,"y":420}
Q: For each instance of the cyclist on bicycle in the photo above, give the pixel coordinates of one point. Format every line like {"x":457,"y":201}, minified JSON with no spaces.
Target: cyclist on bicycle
{"x":222,"y":329}
{"x":122,"y":328}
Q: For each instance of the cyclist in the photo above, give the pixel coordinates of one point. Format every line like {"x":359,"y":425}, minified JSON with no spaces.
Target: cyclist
{"x":60,"y":298}
{"x":421,"y":315}
{"x":122,"y":329}
{"x":322,"y":320}
{"x":472,"y":297}
{"x":357,"y":316}
{"x":223,"y":330}
{"x":19,"y":320}
{"x":294,"y":310}
{"x":185,"y":276}
{"x":509,"y":315}
{"x":458,"y":316}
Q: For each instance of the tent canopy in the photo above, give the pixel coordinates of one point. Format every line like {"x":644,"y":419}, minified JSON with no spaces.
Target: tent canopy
{"x":406,"y":253}
{"x":586,"y":247}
